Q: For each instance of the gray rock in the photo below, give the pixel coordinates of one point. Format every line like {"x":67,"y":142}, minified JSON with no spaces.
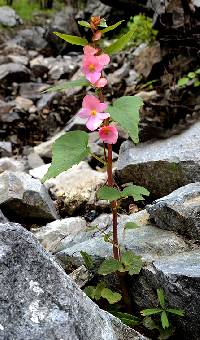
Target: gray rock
{"x":31,"y":38}
{"x":39,"y":301}
{"x":23,"y":103}
{"x":179,"y":211}
{"x":81,"y":276}
{"x":5,"y":149}
{"x":63,"y":22}
{"x":3,"y":219}
{"x":51,"y":235}
{"x":46,"y":100}
{"x":179,"y":276}
{"x":13,"y":73}
{"x":64,"y":68}
{"x":11,"y":164}
{"x":162,"y":166}
{"x":34,"y":160}
{"x":24,"y":198}
{"x":147,"y":58}
{"x":32,"y":90}
{"x":18,"y":59}
{"x":8,"y":17}
{"x":147,"y":241}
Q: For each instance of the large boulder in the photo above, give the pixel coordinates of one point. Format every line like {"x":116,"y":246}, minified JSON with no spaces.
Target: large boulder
{"x":39,"y":301}
{"x":179,"y":211}
{"x":162,"y":165}
{"x":23,"y":198}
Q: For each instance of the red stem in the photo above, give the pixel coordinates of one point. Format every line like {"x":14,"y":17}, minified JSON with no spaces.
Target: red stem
{"x":116,"y":254}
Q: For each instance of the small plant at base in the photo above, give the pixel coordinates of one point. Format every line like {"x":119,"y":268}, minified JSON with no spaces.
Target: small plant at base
{"x":163,"y":312}
{"x":192,"y":78}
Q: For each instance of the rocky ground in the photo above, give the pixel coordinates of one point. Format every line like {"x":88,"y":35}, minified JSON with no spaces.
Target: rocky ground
{"x":39,"y":301}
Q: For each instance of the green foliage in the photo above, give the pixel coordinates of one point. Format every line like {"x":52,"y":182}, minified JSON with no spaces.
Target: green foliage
{"x":112,"y":27}
{"x":163,"y":311}
{"x":100,"y":291}
{"x":67,"y":151}
{"x":130,"y":225}
{"x":136,"y":192}
{"x":109,"y":266}
{"x":192,"y":77}
{"x":127,"y":319}
{"x":113,"y":194}
{"x":84,"y":23}
{"x":131,"y":262}
{"x":68,"y":85}
{"x":164,"y":334}
{"x":143,"y":30}
{"x":108,"y":193}
{"x":125,"y":111}
{"x":87,"y":259}
{"x":120,"y":43}
{"x":72,"y":39}
{"x":111,"y":296}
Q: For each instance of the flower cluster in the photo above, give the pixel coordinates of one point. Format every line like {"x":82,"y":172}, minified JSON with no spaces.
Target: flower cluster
{"x":93,"y":110}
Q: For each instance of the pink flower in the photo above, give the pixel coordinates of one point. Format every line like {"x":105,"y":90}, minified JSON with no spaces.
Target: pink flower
{"x":101,"y":82}
{"x":92,"y":109}
{"x":93,"y":65}
{"x":108,"y":134}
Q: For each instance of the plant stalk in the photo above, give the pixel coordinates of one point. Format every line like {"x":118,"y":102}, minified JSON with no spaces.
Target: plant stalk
{"x":116,"y":253}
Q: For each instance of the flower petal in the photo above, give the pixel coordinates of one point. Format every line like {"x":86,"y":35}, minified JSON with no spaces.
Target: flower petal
{"x":101,"y":82}
{"x":93,"y":123}
{"x":108,"y":134}
{"x":84,"y":113}
{"x":102,"y":107}
{"x":103,"y":59}
{"x":90,"y":102}
{"x":103,"y":115}
{"x":93,"y":76}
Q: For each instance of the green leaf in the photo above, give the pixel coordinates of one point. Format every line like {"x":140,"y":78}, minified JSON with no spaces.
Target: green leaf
{"x":197,"y":71}
{"x":90,"y":291}
{"x":125,"y":111}
{"x":151,"y":311}
{"x":72,"y":39}
{"x":112,"y":297}
{"x":191,"y":75}
{"x":196,"y":83}
{"x":149,"y":323}
{"x":112,"y":27}
{"x":127,"y":319}
{"x":87,"y":259}
{"x":183,"y":81}
{"x":109,"y":266}
{"x":132,"y":262}
{"x":130,"y":225}
{"x":136,"y":192}
{"x":161,"y":297}
{"x":98,"y":291}
{"x":118,"y":45}
{"x":164,"y":320}
{"x":84,"y":23}
{"x":175,"y":311}
{"x":67,"y":151}
{"x":108,"y":194}
{"x":107,"y":236}
{"x":68,"y":85}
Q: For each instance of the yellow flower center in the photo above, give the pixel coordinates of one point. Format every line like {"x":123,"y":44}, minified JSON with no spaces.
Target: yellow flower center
{"x":91,"y":68}
{"x":93,"y":112}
